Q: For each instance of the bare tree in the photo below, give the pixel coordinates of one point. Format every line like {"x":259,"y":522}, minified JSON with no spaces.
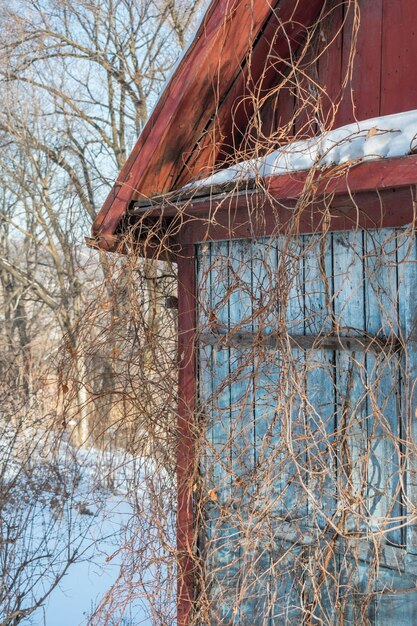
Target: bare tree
{"x":78,"y":80}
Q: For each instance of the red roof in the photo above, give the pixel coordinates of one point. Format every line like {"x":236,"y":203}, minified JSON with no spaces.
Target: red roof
{"x":246,"y":50}
{"x":204,"y":108}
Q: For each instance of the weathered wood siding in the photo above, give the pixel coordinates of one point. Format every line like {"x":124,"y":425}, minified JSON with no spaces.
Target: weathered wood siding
{"x":383,"y":76}
{"x":297,"y":438}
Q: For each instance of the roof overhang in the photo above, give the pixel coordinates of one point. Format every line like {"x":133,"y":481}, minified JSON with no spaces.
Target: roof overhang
{"x":373,"y":194}
{"x":197,"y":120}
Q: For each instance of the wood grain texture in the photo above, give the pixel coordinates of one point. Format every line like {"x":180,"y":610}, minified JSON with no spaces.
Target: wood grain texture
{"x":407,"y":286}
{"x":227,"y":134}
{"x":361,"y":99}
{"x":385,"y":499}
{"x":399,"y":51}
{"x":201,"y":119}
{"x":329,"y":65}
{"x":381,"y":78}
{"x":255,"y":214}
{"x":370,"y":294}
{"x":333,"y":185}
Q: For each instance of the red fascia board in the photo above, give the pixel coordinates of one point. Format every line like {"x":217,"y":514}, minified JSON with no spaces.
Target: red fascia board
{"x":388,"y":208}
{"x":346,"y":180}
{"x":363,"y":183}
{"x":366,"y":176}
{"x":376,"y":194}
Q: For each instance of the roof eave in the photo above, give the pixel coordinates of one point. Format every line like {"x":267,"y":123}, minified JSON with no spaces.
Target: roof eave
{"x":212,"y":63}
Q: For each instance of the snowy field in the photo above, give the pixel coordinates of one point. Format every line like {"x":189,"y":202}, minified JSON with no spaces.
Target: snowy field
{"x":86,"y":583}
{"x":81,"y":527}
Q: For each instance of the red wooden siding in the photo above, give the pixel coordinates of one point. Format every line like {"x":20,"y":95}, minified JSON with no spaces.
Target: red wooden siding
{"x":187,"y":114}
{"x":384,"y":71}
{"x":399,"y":54}
{"x":209,"y":70}
{"x":240,"y":54}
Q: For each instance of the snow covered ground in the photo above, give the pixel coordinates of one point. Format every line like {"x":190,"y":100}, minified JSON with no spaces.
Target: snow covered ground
{"x":81,"y":506}
{"x":87,"y":582}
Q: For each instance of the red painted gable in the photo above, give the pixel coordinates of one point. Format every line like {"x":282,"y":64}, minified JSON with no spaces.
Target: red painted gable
{"x":242,"y":50}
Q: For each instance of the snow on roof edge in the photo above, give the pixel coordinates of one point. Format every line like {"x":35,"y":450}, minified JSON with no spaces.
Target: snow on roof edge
{"x":381,"y":137}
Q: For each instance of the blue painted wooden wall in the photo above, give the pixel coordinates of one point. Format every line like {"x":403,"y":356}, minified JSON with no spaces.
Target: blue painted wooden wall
{"x":307,"y":460}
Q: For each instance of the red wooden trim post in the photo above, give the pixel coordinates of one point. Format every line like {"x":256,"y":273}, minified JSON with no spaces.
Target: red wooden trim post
{"x":185,"y":448}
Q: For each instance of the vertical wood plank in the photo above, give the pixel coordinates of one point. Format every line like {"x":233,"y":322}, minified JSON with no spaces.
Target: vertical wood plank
{"x":320,"y":375}
{"x":266,"y":393}
{"x":288,"y":432}
{"x":305,"y":109}
{"x":320,"y":422}
{"x":351,"y":431}
{"x":241,"y":416}
{"x":361,"y":99}
{"x":284,"y":113}
{"x":291,"y":265}
{"x":383,"y":380}
{"x":331,"y":38}
{"x":349,"y":317}
{"x":407,"y":289}
{"x":399,"y":51}
{"x":225,"y":540}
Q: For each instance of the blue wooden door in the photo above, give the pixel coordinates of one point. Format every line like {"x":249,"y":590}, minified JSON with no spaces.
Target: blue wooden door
{"x":307,"y":364}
